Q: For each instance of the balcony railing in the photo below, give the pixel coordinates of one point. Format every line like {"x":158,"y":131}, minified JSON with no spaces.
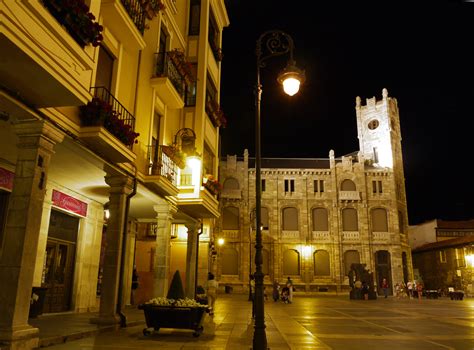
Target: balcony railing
{"x":166,"y":66}
{"x":105,"y":110}
{"x":136,"y":12}
{"x":161,"y":164}
{"x":215,"y":113}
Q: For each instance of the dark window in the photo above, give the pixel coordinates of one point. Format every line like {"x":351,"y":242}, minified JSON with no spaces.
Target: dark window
{"x":105,"y":69}
{"x":213,"y":36}
{"x":263,"y":185}
{"x":194,"y":17}
{"x":289,"y":185}
{"x":319,"y":186}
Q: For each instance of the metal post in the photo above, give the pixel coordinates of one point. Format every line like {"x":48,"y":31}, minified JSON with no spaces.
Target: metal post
{"x":276,"y":43}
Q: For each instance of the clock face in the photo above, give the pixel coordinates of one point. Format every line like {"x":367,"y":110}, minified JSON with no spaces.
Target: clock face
{"x":373,"y":124}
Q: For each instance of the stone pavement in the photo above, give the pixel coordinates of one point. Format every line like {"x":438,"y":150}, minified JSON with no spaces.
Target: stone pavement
{"x":311,"y":322}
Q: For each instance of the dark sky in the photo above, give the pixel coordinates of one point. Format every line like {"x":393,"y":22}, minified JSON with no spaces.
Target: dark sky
{"x":423,"y":56}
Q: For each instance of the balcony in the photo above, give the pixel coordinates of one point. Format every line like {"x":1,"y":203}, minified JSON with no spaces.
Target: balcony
{"x":107,"y":127}
{"x":204,"y":205}
{"x":349,"y":196}
{"x":215,"y":113}
{"x":381,"y":236}
{"x":292,"y":235}
{"x":41,"y":63}
{"x":350,"y":236}
{"x":162,"y":172}
{"x":171,"y":78}
{"x":126,"y":20}
{"x":321,"y":236}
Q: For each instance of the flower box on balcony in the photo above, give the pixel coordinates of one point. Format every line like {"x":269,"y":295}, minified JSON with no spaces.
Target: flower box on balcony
{"x":212,"y":185}
{"x":152,"y":7}
{"x":100,"y":113}
{"x":182,"y":65}
{"x":216,"y":114}
{"x":175,"y":155}
{"x":74,"y":15}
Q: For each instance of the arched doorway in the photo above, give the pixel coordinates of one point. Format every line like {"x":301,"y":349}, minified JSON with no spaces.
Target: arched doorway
{"x":383,"y":270}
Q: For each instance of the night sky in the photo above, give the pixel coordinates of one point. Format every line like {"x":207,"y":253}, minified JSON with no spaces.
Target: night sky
{"x":423,"y":56}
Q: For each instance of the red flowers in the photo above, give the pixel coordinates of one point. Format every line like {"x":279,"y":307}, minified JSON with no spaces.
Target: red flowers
{"x":78,"y":21}
{"x":100,"y":113}
{"x":216,"y":114}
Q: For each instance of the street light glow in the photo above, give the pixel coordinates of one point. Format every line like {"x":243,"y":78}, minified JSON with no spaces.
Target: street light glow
{"x":291,"y":86}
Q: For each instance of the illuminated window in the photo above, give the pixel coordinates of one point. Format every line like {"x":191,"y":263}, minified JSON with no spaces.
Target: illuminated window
{"x":442,"y":256}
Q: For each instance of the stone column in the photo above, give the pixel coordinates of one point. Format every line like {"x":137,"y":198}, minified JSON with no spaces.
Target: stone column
{"x":36,"y":141}
{"x":120,"y":187}
{"x":191,"y":254}
{"x":161,"y":263}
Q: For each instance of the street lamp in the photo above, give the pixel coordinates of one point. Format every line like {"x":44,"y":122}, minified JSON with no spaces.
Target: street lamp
{"x":270,"y":44}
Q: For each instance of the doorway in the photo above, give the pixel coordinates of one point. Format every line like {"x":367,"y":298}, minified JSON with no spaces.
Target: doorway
{"x":58,"y":268}
{"x":384,"y":270}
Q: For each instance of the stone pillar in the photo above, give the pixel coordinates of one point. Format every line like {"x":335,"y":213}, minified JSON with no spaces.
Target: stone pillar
{"x":120,"y":187}
{"x":36,"y":141}
{"x":191,"y":255}
{"x":161,"y":262}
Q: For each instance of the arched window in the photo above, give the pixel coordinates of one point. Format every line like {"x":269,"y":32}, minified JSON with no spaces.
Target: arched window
{"x":350,"y":257}
{"x":291,"y":262}
{"x":290,"y":219}
{"x":231,"y":184}
{"x":379,"y":220}
{"x":349,"y":219}
{"x":229,"y":261}
{"x":230,"y":218}
{"x":348,"y":185}
{"x":321,"y":263}
{"x":320,"y":219}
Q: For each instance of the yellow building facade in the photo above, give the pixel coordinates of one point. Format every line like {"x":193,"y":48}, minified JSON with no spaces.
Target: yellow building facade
{"x":109,"y":144}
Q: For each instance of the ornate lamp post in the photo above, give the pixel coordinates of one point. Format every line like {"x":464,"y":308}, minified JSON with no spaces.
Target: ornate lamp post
{"x":270,"y":44}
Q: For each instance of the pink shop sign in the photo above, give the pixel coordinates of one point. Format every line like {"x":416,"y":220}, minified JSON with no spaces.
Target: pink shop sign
{"x":69,"y":203}
{"x":6,"y":179}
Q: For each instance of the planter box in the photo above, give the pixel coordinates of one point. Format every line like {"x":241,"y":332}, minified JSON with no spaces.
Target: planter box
{"x":157,"y":317}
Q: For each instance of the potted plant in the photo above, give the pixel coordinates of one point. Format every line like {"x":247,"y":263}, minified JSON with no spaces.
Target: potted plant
{"x":216,"y":114}
{"x":152,"y":7}
{"x":174,"y":311}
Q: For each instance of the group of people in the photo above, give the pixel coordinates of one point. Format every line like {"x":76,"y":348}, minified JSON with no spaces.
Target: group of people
{"x":285,"y":293}
{"x":411,"y":289}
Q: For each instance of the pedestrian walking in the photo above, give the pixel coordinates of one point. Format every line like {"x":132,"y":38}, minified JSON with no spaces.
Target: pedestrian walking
{"x":211,"y":291}
{"x":384,"y":286}
{"x":289,"y":284}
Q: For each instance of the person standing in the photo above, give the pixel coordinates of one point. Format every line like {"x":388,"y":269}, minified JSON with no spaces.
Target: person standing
{"x":211,"y":291}
{"x":419,"y":290}
{"x":289,"y":284}
{"x":410,"y":289}
{"x":384,"y":286}
{"x":276,"y":291}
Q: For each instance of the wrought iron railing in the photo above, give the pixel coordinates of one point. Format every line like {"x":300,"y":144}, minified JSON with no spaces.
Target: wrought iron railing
{"x":136,"y":12}
{"x":165,"y":67}
{"x":160,"y":164}
{"x":121,"y":112}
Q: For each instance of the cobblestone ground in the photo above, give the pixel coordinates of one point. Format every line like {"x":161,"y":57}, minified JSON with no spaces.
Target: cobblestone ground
{"x":311,"y":322}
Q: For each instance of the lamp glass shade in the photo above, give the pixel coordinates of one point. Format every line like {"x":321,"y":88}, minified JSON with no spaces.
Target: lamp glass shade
{"x":291,"y":86}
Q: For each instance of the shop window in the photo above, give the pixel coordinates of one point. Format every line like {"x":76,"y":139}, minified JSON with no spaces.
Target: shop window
{"x":291,"y":262}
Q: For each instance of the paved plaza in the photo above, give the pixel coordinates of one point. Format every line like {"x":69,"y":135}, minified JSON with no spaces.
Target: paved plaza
{"x":311,"y":322}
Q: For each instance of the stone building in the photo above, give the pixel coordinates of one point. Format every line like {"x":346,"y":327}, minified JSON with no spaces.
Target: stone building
{"x":320,"y":215}
{"x":109,"y":141}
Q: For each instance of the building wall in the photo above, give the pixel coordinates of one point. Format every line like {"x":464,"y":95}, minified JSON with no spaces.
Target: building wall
{"x":336,"y":241}
{"x":422,"y":234}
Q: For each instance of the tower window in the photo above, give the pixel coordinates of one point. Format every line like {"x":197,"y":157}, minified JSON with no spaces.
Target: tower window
{"x":289,"y":185}
{"x":318,"y":186}
{"x":263,"y":185}
{"x":377,"y":186}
